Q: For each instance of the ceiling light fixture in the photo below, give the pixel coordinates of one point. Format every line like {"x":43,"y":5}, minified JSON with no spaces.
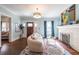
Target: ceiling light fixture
{"x":37,"y":14}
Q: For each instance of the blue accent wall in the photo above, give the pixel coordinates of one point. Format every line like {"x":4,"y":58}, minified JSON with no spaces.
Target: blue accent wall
{"x":14,"y":20}
{"x":57,"y":21}
{"x":77,"y":11}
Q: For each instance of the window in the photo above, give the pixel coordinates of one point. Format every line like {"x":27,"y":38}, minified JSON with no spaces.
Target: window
{"x":49,"y":29}
{"x":30,"y":24}
{"x":5,"y":26}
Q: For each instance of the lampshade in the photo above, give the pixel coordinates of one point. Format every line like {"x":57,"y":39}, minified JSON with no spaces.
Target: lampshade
{"x":37,"y":14}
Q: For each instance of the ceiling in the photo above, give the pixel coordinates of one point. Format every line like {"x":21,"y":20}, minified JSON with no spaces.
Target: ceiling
{"x":47,"y":10}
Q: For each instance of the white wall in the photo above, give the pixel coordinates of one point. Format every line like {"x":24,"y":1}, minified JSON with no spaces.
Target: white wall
{"x":14,"y":19}
{"x":57,"y":22}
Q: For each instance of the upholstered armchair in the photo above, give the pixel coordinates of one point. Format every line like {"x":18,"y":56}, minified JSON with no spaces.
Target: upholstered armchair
{"x":35,"y":42}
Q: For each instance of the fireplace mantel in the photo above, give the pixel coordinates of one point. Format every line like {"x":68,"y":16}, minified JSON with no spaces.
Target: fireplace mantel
{"x":69,"y":26}
{"x":73,"y":30}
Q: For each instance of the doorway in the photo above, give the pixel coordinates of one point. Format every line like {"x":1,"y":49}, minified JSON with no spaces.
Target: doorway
{"x":30,"y":28}
{"x":5,"y":29}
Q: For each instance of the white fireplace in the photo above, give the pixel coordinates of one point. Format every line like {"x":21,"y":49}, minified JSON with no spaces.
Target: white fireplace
{"x":70,"y":33}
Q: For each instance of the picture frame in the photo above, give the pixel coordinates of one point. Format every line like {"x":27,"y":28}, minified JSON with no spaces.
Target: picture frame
{"x":17,"y":28}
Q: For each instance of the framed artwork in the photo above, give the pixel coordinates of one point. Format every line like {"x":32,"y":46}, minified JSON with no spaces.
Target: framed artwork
{"x":64,"y":19}
{"x":17,"y":28}
{"x":68,"y":16}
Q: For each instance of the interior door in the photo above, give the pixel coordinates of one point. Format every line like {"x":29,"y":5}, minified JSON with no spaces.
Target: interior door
{"x":30,"y":28}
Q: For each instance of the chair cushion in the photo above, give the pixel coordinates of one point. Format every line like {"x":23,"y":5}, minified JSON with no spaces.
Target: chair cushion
{"x":36,"y":36}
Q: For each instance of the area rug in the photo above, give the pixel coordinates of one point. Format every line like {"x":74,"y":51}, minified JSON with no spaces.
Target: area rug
{"x":51,"y":50}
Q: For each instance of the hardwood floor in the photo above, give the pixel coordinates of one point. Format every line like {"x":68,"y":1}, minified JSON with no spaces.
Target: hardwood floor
{"x":68,"y":48}
{"x":14,"y":48}
{"x":5,"y":41}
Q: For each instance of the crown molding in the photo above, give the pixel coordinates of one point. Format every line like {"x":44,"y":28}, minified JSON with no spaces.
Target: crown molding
{"x":8,"y":9}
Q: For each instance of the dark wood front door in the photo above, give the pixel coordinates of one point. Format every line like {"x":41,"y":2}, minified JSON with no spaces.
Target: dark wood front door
{"x":30,"y":28}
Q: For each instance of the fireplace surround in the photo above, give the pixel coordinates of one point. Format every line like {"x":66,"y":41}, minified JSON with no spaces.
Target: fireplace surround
{"x":70,"y":32}
{"x":66,"y":38}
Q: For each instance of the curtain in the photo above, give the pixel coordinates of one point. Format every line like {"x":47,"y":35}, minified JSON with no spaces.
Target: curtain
{"x":45,"y":28}
{"x":52,"y":22}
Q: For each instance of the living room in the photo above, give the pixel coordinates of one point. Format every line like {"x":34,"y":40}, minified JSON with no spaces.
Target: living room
{"x":46,"y":22}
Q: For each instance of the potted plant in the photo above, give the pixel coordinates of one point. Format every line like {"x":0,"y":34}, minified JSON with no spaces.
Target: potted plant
{"x":21,"y":27}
